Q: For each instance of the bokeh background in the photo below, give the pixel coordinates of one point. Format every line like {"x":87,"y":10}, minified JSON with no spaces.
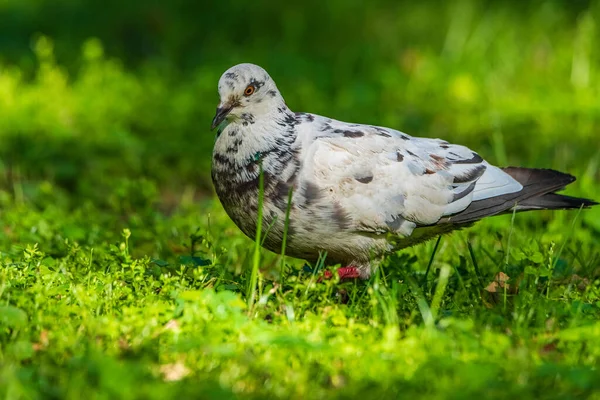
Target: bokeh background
{"x":96,"y":93}
{"x":119,"y":270}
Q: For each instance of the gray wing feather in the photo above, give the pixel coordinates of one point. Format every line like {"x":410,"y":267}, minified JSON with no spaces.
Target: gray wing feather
{"x":389,"y":181}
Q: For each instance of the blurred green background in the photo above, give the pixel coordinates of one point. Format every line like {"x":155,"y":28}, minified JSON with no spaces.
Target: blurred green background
{"x":96,"y":93}
{"x":119,"y":268}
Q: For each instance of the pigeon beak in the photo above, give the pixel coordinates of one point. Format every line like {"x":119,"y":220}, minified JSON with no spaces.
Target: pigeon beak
{"x":220,"y":116}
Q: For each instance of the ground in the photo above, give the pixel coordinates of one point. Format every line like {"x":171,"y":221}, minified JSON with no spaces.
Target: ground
{"x":122,"y":277}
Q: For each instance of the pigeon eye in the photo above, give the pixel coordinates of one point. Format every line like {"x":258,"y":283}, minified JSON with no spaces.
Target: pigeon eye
{"x":249,"y":90}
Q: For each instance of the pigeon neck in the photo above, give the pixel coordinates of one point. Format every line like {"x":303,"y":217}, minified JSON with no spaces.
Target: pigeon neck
{"x":242,"y":151}
{"x":247,"y":138}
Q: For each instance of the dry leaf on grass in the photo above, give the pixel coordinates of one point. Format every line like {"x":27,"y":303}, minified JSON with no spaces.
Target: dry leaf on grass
{"x":174,"y":372}
{"x":172,"y":325}
{"x":499,"y":284}
{"x":493,"y":292}
{"x":43,"y":342}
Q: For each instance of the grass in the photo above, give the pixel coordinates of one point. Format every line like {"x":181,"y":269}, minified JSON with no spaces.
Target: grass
{"x":122,"y":277}
{"x":101,"y":319}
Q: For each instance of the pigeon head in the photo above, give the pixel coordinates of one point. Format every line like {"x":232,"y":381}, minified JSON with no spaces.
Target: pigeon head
{"x":247,"y":93}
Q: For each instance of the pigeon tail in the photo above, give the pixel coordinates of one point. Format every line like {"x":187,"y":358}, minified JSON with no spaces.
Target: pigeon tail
{"x":538,"y":193}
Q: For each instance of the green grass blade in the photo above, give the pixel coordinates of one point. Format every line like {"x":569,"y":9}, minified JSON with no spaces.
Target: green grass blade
{"x":285,"y":233}
{"x":433,"y":253}
{"x":252,"y":287}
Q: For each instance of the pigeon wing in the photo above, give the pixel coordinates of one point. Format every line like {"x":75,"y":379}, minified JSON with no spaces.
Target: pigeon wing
{"x":387,"y":181}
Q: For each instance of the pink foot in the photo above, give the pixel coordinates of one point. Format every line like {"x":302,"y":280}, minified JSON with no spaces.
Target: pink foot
{"x":343,"y":272}
{"x":348,"y":273}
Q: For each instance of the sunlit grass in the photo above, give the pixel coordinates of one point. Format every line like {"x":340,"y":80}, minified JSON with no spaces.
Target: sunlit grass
{"x":122,"y":277}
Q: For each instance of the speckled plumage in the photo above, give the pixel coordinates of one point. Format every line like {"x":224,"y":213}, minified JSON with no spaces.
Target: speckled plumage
{"x":358,"y":191}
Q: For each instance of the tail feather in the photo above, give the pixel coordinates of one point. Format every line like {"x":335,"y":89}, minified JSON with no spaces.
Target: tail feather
{"x":538,"y":190}
{"x":554,"y":201}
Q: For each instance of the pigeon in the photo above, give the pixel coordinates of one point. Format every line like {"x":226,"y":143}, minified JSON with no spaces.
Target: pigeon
{"x":351,"y":191}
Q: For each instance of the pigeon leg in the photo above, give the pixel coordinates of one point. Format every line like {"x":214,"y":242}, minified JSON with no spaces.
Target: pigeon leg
{"x":349,"y":272}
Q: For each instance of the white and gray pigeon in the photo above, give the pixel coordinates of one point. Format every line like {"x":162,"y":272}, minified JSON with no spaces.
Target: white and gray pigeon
{"x":358,"y":191}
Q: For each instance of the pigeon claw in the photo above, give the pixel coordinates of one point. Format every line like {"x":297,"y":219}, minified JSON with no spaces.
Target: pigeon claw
{"x":344,"y":273}
{"x":348,"y":273}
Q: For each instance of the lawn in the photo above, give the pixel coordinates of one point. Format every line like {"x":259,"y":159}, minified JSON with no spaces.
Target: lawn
{"x":122,"y":277}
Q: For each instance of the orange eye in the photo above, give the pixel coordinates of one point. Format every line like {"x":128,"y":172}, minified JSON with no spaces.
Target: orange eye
{"x":249,"y":90}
